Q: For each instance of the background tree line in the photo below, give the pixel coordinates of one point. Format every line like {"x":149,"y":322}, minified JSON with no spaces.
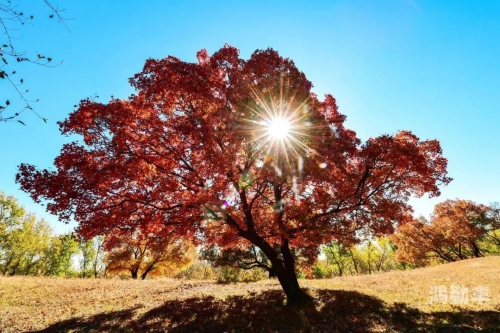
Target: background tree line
{"x":458,"y":229}
{"x":28,"y":246}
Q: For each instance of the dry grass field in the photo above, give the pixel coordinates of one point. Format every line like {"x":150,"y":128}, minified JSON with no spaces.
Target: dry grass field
{"x":389,"y":302}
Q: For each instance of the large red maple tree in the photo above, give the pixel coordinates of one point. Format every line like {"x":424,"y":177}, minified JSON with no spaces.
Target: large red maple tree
{"x":234,"y":152}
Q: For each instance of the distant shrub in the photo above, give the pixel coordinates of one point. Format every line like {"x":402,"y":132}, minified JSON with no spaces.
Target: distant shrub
{"x":199,"y":270}
{"x":227,"y":274}
{"x":321,"y":271}
{"x":202,"y":270}
{"x":230,"y":274}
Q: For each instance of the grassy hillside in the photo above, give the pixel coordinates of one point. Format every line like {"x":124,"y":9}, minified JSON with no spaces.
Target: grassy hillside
{"x":389,"y":302}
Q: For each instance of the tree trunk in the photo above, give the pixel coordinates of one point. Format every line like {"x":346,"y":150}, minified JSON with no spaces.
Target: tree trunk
{"x":28,"y":267}
{"x":369,"y":257}
{"x":133,"y":271}
{"x":284,"y":269}
{"x":290,"y":285}
{"x":287,"y":277}
{"x":13,"y":269}
{"x":477,"y":252}
{"x":354,"y":262}
{"x":94,"y":265}
{"x":442,"y":255}
{"x":143,"y":275}
{"x":7,"y":265}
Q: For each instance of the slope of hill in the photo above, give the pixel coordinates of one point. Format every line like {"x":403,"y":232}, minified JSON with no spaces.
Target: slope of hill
{"x":457,"y":297}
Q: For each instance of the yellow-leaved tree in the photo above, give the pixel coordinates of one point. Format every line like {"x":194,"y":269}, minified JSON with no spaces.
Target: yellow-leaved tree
{"x":147,"y":252}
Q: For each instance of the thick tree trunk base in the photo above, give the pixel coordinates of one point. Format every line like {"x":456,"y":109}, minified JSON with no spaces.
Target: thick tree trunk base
{"x":299,"y":298}
{"x":295,"y":296}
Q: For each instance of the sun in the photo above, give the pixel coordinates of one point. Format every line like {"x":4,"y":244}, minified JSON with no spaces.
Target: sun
{"x":278,"y":128}
{"x":279,"y":125}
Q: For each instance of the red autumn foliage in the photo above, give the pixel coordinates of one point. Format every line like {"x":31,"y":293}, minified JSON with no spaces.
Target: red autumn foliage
{"x":187,"y":152}
{"x":452,"y":234}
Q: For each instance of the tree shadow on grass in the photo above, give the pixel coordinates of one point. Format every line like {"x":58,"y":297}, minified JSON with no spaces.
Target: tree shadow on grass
{"x":336,"y":311}
{"x":116,"y":321}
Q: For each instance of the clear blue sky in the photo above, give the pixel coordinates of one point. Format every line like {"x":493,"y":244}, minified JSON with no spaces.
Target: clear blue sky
{"x":431,"y":67}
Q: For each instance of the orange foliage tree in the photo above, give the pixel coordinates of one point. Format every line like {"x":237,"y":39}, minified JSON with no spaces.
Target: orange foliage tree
{"x":141,"y":252}
{"x":234,"y":152}
{"x":453,"y":233}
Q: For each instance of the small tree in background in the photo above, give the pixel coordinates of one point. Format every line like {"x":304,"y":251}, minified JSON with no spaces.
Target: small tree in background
{"x":10,"y":214}
{"x":23,"y":246}
{"x":147,"y":252}
{"x":88,"y":257}
{"x":60,"y":255}
{"x":454,"y":232}
{"x":23,"y":239}
{"x":99,"y":264}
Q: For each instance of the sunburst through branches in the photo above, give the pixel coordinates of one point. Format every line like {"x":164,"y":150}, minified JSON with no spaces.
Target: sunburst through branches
{"x":280,"y":128}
